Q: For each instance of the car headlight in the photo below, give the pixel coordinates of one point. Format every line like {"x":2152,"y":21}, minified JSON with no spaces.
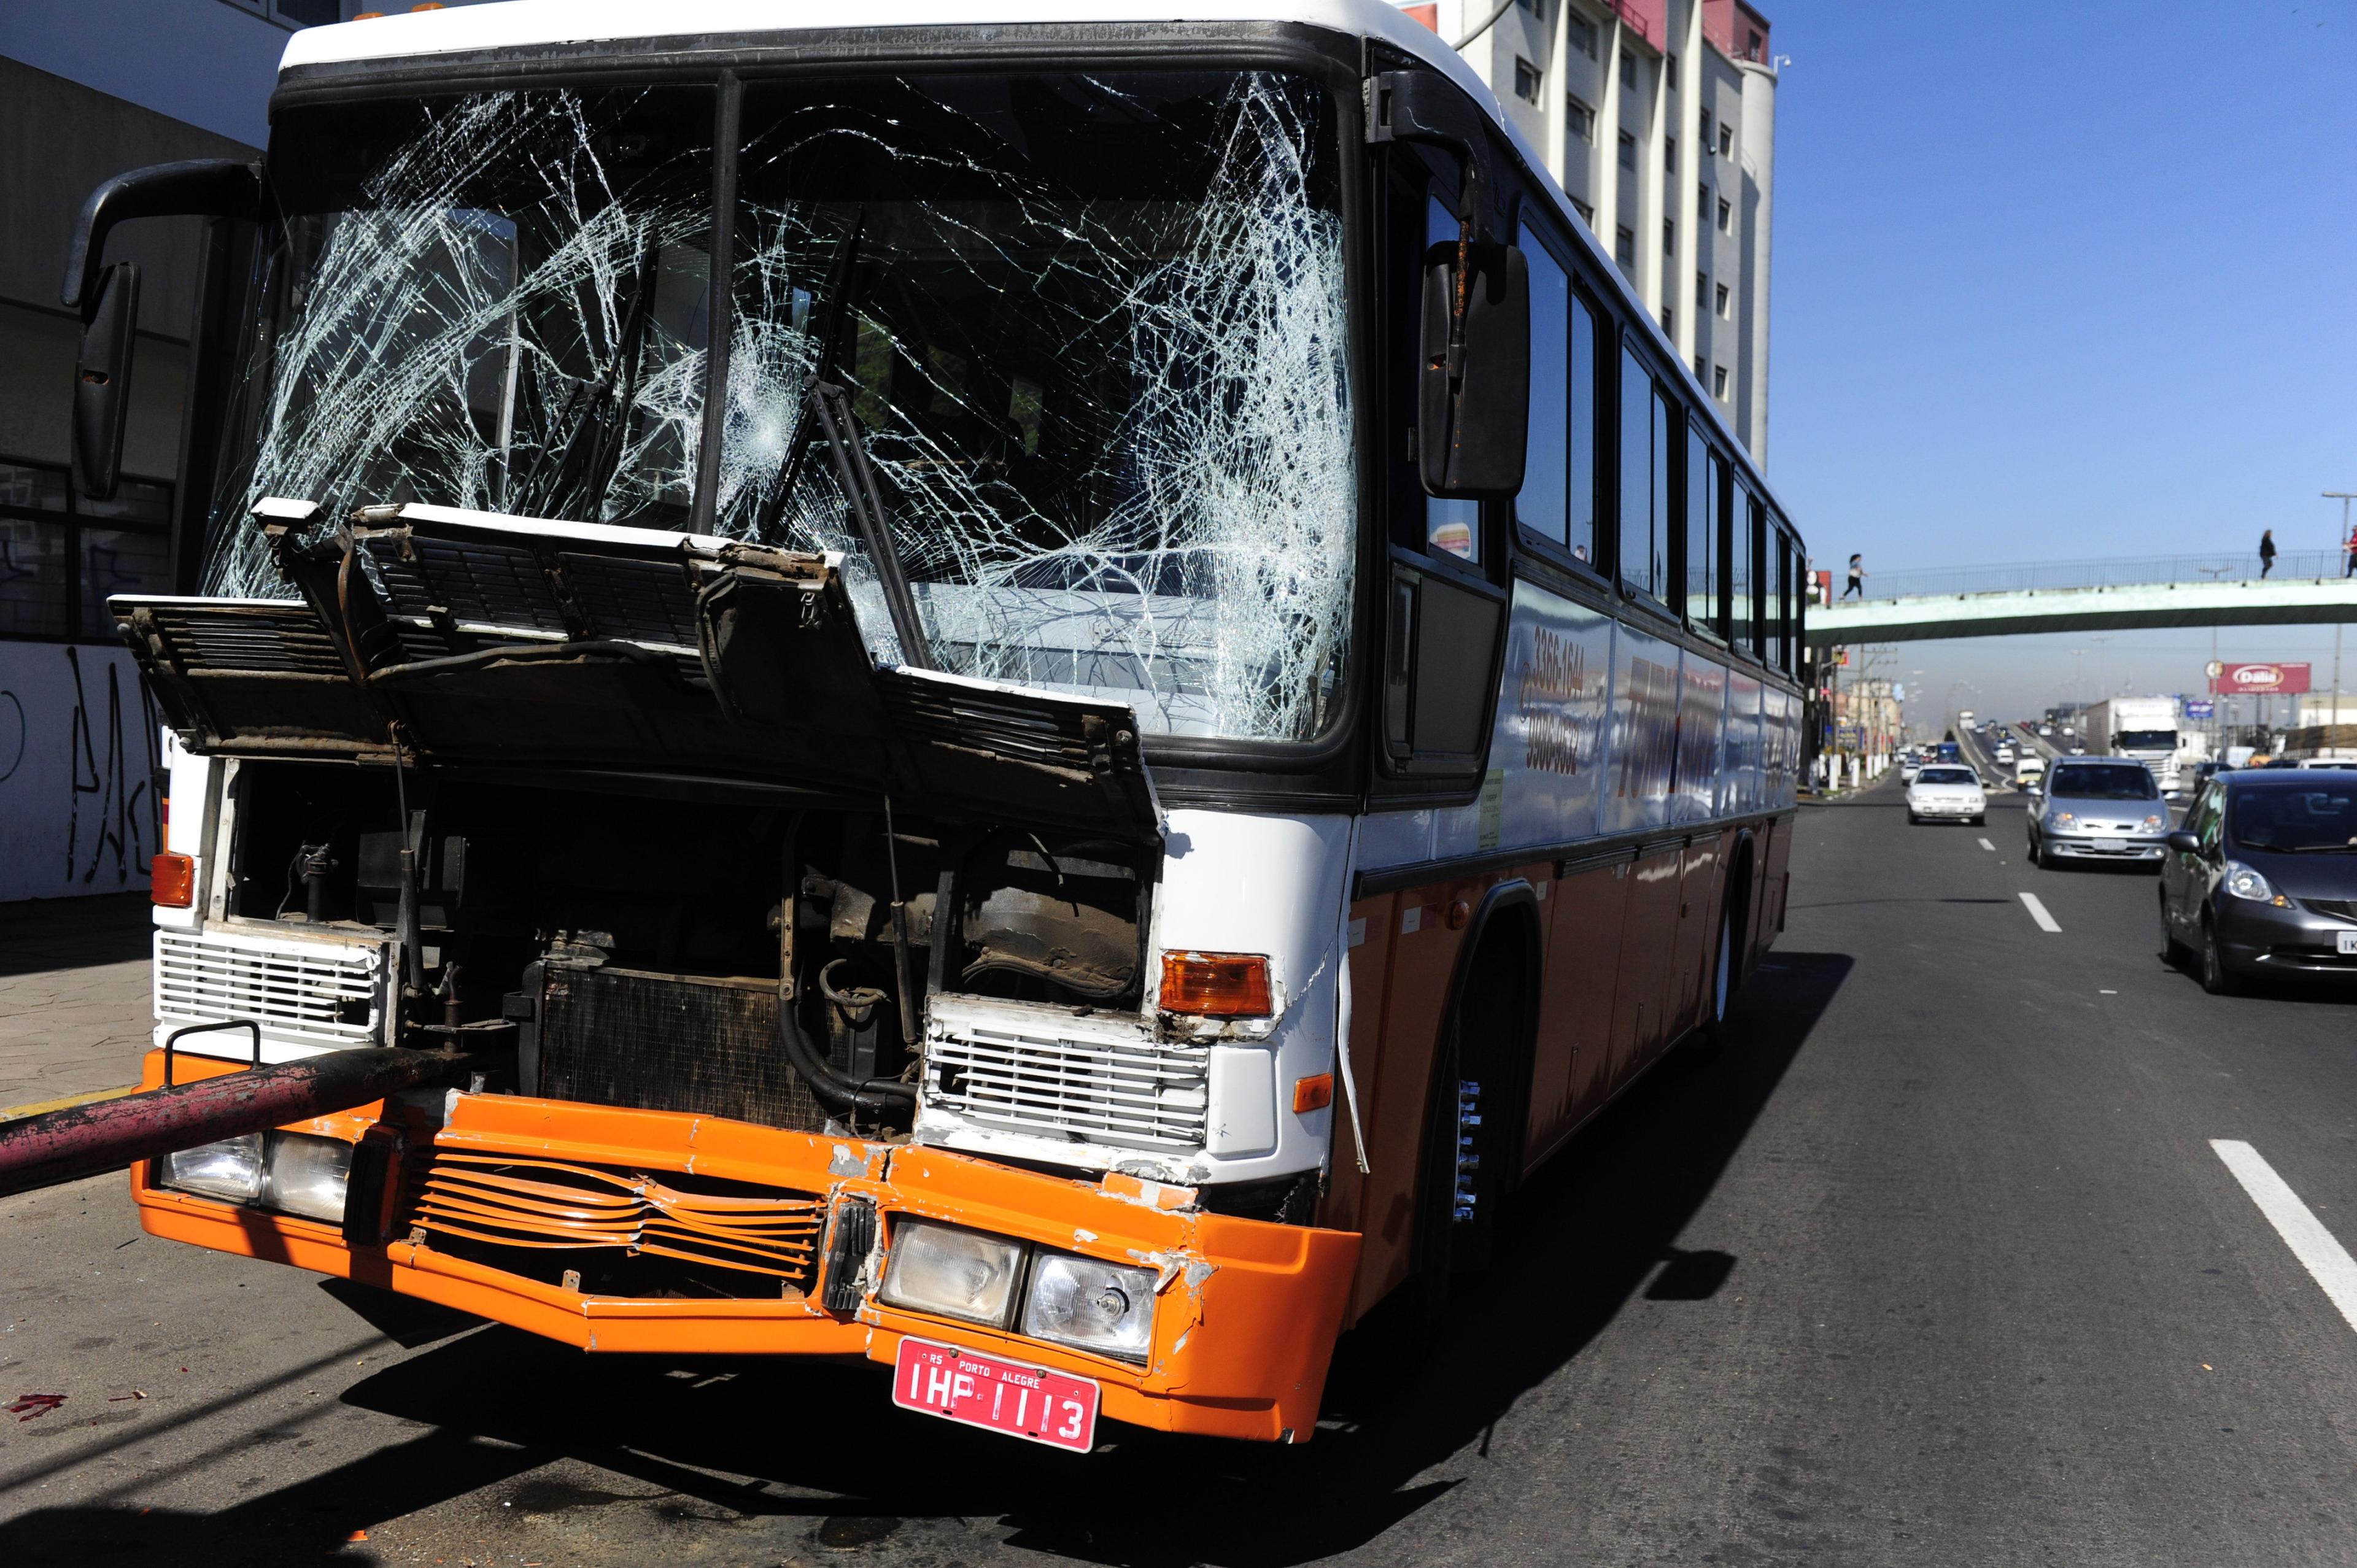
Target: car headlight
{"x":2244,"y":883}
{"x":957,"y":1273}
{"x":1090,"y":1305}
{"x":2063,"y":819}
{"x":292,"y":1172}
{"x":308,"y":1175}
{"x":231,"y":1169}
{"x":2154,"y":821}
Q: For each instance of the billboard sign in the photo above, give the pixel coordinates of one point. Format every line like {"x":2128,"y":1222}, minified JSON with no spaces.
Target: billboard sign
{"x":2258,"y":680}
{"x":2200,"y":708}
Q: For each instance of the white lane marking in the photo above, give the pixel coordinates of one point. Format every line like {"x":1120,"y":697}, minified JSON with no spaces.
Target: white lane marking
{"x":2038,"y":913}
{"x":2326,"y":1260}
{"x":1988,"y":846}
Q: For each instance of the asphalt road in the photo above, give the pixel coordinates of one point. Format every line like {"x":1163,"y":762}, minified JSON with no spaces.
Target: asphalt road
{"x":1936,"y":1265}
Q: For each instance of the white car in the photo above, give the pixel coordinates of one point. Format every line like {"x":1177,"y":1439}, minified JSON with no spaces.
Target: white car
{"x":1907,"y":768}
{"x":1947,"y":791}
{"x":2005,"y":754}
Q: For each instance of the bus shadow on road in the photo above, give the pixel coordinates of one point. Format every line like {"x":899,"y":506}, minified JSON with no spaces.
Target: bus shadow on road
{"x":785,"y":1456}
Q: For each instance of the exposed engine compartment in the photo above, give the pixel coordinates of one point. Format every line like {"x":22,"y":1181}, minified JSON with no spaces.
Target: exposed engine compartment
{"x":685,"y":948}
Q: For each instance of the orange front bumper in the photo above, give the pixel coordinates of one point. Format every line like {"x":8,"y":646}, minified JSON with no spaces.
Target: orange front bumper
{"x":1245,"y":1321}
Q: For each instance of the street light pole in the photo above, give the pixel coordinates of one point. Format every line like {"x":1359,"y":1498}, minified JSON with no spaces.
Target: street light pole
{"x":2348,"y":545}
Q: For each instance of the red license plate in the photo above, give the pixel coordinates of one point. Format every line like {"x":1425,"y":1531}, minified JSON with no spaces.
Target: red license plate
{"x":1054,"y":1408}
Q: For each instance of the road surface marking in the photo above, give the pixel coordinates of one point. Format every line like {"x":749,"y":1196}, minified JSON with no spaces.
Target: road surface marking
{"x":10,"y":1113}
{"x":2038,"y":913}
{"x":1988,"y":846}
{"x":2326,"y":1260}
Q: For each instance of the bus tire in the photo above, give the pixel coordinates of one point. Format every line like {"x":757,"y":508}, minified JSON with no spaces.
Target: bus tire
{"x":1711,"y":1035}
{"x":1480,"y":1069}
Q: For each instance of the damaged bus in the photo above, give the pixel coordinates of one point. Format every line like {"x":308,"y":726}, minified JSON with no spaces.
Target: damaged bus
{"x":1036,"y":697}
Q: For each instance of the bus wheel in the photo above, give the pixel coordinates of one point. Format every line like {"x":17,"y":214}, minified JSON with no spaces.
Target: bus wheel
{"x":1470,"y":1147}
{"x":1711,"y":1035}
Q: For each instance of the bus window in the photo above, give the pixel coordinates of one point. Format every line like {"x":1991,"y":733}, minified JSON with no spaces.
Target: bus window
{"x":1541,"y":507}
{"x":1451,"y":527}
{"x":1742,"y":547}
{"x":1644,"y":480}
{"x":1702,"y":469}
{"x":1585,"y":407}
{"x":1791,"y":661}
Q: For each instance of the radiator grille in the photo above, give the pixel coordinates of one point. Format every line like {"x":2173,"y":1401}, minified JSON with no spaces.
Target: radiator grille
{"x":513,"y":1206}
{"x":312,"y":993}
{"x":1141,"y":1094}
{"x":666,"y":1042}
{"x":2343,"y":909}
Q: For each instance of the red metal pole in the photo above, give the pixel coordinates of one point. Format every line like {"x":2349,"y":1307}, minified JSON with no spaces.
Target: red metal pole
{"x":83,"y":1140}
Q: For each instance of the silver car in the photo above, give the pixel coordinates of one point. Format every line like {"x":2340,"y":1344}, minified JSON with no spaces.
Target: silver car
{"x":2098,"y":808}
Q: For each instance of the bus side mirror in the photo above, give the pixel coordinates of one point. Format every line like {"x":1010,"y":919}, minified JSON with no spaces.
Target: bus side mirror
{"x":1474,"y":386}
{"x":102,"y":380}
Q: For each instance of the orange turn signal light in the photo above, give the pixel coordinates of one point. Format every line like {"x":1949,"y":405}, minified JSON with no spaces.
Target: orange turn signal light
{"x":1217,"y":985}
{"x":172,"y":880}
{"x":1313,"y":1093}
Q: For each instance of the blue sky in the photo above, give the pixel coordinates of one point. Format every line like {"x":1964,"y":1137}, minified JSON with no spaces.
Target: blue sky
{"x":2055,"y":281}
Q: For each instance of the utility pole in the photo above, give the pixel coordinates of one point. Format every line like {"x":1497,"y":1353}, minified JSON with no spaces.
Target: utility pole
{"x":2340,"y":546}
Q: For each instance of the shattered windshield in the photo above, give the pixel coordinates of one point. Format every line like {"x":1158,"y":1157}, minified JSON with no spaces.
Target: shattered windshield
{"x":1089,"y":330}
{"x":497,"y":301}
{"x":1093,"y":332}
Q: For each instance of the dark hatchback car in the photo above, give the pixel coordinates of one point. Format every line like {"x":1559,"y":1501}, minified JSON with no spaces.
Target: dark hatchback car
{"x":2262,"y":880}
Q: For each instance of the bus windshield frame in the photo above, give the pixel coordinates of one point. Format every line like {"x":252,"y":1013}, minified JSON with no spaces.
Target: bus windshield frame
{"x":1092,"y":327}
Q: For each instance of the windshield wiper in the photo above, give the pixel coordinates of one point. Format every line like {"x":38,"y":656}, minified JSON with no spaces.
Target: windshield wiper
{"x":826,"y":404}
{"x":2322,"y":849}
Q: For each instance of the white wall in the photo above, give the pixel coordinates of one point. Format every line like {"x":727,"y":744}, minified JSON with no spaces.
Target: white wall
{"x":77,"y":810}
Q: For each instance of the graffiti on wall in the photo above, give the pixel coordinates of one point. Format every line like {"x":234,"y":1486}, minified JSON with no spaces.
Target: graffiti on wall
{"x":79,"y":759}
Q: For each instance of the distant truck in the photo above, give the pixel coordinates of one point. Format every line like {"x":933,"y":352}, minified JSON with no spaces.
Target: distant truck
{"x":2146,"y":729}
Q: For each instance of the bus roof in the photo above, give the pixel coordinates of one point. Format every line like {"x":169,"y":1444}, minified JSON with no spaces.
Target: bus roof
{"x":541,"y":24}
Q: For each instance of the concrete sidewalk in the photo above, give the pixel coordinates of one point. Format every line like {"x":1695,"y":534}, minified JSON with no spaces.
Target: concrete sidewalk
{"x":75,"y":995}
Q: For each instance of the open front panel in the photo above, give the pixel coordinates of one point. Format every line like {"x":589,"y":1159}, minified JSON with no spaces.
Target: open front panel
{"x":465,"y":638}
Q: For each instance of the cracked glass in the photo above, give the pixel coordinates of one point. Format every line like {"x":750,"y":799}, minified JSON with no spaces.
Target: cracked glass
{"x":497,"y":301}
{"x":1091,"y":333}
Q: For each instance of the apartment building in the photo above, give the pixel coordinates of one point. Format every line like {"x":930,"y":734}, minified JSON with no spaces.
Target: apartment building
{"x":1658,"y":117}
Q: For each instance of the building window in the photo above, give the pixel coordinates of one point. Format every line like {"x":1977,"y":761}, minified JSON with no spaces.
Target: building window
{"x":1668,"y":155}
{"x":1535,"y":7}
{"x":1628,"y":71}
{"x":1526,"y":80}
{"x":1669,"y":237}
{"x":1698,"y":364}
{"x":1583,"y":35}
{"x":1702,"y":289}
{"x":1627,"y":152}
{"x":1725,"y":217}
{"x":1669,"y":322}
{"x":1726,"y":140}
{"x":295,"y":14}
{"x":1624,"y":247}
{"x":1719,"y":382}
{"x":1670,"y":70}
{"x":1721,"y":301}
{"x":1752,"y":46}
{"x":1702,"y":201}
{"x":1581,"y":118}
{"x":62,"y":556}
{"x":1586,"y":213}
{"x":1706,"y":127}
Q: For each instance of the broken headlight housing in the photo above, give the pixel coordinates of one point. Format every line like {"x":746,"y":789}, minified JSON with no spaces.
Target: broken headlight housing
{"x":952,"y":1271}
{"x":1090,"y":1305}
{"x":294,"y":1173}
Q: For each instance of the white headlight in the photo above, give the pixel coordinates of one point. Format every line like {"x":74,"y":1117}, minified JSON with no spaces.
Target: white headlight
{"x":953,"y":1272}
{"x":231,"y":1169}
{"x":309,"y":1175}
{"x":1090,"y":1305}
{"x":2244,"y":883}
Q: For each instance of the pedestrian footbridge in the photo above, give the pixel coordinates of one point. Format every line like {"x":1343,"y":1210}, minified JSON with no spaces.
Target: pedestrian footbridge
{"x":2305,"y":586}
